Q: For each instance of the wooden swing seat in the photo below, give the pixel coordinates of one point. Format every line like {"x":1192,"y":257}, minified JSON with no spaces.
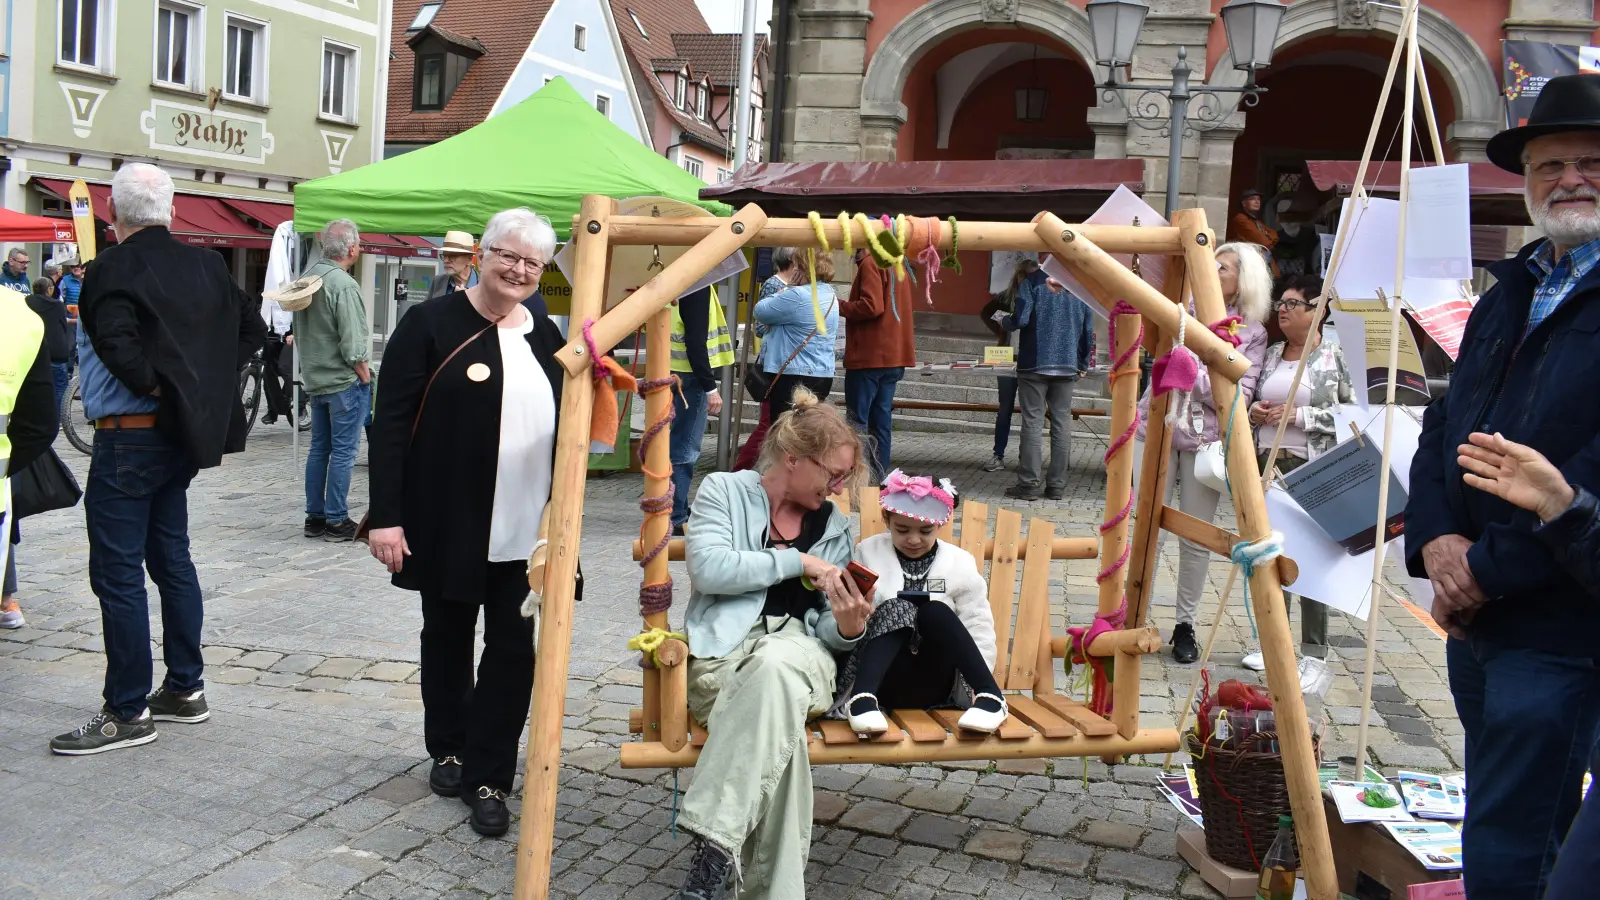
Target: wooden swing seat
{"x":1043,"y":723}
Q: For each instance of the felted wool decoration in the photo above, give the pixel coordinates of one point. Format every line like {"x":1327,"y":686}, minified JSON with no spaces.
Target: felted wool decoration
{"x":604,"y":419}
{"x":1178,"y":370}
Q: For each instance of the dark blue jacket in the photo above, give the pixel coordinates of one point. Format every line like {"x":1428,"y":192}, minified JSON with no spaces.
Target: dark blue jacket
{"x":1545,"y":392}
{"x":1574,"y":539}
{"x":1057,"y":329}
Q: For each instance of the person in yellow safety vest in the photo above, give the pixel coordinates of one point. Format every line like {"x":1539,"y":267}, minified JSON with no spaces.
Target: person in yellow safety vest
{"x":701,"y":346}
{"x":27,"y":424}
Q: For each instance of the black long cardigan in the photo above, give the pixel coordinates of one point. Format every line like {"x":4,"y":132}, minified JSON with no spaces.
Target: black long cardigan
{"x":440,"y":485}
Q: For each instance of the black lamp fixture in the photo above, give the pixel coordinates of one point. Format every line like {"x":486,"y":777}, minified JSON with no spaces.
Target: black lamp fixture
{"x":1031,"y":101}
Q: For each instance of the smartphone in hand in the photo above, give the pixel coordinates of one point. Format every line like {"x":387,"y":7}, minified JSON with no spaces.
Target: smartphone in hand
{"x":864,"y":577}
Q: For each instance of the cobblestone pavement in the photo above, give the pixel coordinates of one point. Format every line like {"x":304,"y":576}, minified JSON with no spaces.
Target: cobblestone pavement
{"x":308,"y":781}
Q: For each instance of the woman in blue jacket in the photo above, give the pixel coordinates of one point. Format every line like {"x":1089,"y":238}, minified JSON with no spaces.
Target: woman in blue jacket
{"x":792,"y":348}
{"x":1570,"y":527}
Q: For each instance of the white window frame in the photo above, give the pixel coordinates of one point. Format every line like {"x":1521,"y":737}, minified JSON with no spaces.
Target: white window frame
{"x":724,"y":174}
{"x":638,"y":24}
{"x":258,"y":78}
{"x":603,"y":99}
{"x":680,"y":93}
{"x":352,"y":89}
{"x":694,"y":167}
{"x":580,"y":38}
{"x":702,"y":99}
{"x":105,"y":26}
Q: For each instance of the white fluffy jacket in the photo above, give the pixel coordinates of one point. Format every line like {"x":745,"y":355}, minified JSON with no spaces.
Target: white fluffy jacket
{"x":965,"y":590}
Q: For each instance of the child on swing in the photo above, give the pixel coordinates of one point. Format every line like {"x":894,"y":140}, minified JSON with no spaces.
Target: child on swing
{"x":930,"y":641}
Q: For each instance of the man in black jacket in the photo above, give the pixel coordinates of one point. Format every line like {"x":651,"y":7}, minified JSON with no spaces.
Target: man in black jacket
{"x":1523,"y":655}
{"x":164,"y":334}
{"x":57,"y":333}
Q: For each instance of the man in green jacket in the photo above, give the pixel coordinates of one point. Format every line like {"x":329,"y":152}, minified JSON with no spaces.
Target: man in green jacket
{"x":335,"y":346}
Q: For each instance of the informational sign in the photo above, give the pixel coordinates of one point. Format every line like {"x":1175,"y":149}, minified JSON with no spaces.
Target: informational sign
{"x":1364,"y":329}
{"x":197,"y":131}
{"x":1529,"y":64}
{"x":1339,"y":491}
{"x":994,"y":355}
{"x":1366,"y":269}
{"x":1438,"y":239}
{"x":83,"y":219}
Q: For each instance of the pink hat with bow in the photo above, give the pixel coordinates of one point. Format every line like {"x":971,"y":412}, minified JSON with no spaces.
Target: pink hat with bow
{"x":918,"y":498}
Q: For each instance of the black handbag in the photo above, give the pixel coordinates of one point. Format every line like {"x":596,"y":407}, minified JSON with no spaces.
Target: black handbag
{"x":45,"y":485}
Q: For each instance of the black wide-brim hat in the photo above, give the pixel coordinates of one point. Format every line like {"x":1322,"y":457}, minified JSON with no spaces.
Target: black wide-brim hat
{"x":1567,"y":103}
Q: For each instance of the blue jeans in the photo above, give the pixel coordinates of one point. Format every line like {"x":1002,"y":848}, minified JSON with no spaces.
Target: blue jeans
{"x":869,"y":399}
{"x":60,"y":373}
{"x":688,"y":433}
{"x":1002,"y":420}
{"x":336,"y":421}
{"x":1530,"y":719}
{"x":136,"y":509}
{"x":1578,"y":867}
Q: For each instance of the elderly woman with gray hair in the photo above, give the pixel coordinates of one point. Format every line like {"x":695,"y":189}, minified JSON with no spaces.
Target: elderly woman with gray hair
{"x":463,"y":447}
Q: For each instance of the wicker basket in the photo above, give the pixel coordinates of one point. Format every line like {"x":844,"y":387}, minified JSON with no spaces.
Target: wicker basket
{"x":1239,"y":830}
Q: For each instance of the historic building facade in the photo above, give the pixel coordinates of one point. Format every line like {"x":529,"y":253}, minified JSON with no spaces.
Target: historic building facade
{"x":906,"y":80}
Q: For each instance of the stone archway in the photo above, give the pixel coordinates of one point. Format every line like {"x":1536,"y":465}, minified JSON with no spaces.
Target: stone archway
{"x":1468,"y":74}
{"x":882,"y":112}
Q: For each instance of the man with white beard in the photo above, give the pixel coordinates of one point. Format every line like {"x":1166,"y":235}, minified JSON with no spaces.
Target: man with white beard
{"x":1524,"y":645}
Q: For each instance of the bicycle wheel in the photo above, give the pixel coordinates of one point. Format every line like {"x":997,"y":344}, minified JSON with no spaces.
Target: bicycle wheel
{"x":305,"y":411}
{"x":74,"y":424}
{"x":250,"y":394}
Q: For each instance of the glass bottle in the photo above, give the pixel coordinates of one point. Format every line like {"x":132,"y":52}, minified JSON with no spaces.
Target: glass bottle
{"x":1278,"y":868}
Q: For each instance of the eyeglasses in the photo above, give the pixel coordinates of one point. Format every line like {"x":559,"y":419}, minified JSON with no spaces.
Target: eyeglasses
{"x":835,"y":479}
{"x":1552,"y":169}
{"x":512,"y":260}
{"x":1297,"y":304}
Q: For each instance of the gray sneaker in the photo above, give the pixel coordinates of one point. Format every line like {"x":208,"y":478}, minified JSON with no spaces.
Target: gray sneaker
{"x":165,"y":706}
{"x":708,"y":873}
{"x":995,"y":464}
{"x":105,"y":732}
{"x":11,"y":617}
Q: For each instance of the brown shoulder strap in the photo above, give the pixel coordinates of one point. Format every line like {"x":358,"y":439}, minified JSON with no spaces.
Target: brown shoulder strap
{"x":422,"y":405}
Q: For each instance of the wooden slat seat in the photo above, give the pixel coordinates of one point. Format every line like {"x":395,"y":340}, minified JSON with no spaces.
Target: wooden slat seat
{"x":1042,"y":723}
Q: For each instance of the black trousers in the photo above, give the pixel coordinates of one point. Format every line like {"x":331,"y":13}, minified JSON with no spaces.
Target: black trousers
{"x":478,"y":722}
{"x":275,"y":380}
{"x":781,"y":394}
{"x":905,"y":680}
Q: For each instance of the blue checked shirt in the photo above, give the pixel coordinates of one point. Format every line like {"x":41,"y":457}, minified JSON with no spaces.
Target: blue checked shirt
{"x":1557,"y":278}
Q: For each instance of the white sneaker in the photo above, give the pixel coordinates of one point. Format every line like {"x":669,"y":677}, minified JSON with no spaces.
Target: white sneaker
{"x":1254,"y":661}
{"x":11,"y":617}
{"x":872,"y":721}
{"x":979,"y":719}
{"x":994,"y":464}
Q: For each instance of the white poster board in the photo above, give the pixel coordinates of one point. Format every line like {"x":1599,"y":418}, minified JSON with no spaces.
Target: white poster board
{"x":1368,"y":264}
{"x":1123,"y":207}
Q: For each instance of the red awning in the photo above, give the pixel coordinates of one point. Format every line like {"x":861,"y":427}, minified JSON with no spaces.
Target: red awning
{"x":198,"y":220}
{"x":20,"y":227}
{"x":264,"y":211}
{"x":1384,"y":178}
{"x":1001,"y":189}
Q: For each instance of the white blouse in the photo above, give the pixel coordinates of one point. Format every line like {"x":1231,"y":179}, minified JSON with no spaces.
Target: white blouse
{"x":1276,"y":390}
{"x":527,"y":441}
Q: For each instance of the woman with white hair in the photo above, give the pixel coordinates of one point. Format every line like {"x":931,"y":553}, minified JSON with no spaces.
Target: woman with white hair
{"x":1247,"y":289}
{"x":463,"y":445}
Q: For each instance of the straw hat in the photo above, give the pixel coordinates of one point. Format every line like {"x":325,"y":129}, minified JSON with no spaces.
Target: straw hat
{"x":457,"y":242}
{"x":297,"y":294}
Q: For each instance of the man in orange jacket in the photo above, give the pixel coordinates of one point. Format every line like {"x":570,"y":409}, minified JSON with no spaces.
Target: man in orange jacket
{"x":879,"y":345}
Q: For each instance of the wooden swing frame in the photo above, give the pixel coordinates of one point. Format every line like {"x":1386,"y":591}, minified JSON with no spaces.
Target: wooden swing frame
{"x":670,"y":736}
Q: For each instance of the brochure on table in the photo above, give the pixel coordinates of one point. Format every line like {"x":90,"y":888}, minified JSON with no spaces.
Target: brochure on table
{"x":1437,"y":845}
{"x":1430,"y":796}
{"x":1355,"y":800}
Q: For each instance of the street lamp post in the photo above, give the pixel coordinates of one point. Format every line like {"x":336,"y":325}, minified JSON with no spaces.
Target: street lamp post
{"x":1252,"y":29}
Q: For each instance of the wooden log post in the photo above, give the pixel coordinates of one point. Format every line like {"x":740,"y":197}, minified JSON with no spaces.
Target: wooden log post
{"x":1072,"y":244}
{"x":974,"y":236}
{"x":666,"y":716}
{"x":726,"y":238}
{"x":536,"y":835}
{"x":1266,"y":594}
{"x":1114,"y":550}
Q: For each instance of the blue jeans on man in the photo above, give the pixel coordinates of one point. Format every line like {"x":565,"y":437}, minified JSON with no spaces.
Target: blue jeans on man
{"x":869,"y":399}
{"x":336,"y":421}
{"x":61,"y":375}
{"x":1002,"y":420}
{"x":1530,"y":718}
{"x":136,"y":509}
{"x":688,"y":433}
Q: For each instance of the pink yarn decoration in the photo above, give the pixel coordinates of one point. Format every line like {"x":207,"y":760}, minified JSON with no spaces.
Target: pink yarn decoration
{"x":1228,"y":329}
{"x":1177,"y":370}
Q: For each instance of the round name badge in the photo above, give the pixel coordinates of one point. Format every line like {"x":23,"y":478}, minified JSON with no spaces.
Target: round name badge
{"x":478,"y":372}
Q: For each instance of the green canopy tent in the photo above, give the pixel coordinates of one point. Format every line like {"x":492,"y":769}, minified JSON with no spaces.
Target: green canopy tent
{"x":545,"y":153}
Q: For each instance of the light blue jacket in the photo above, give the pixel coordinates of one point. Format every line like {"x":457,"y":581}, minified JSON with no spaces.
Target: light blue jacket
{"x":789,"y":320}
{"x":730,"y":568}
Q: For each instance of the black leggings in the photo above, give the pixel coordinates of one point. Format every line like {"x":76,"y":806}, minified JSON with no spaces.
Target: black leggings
{"x":904,"y":680}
